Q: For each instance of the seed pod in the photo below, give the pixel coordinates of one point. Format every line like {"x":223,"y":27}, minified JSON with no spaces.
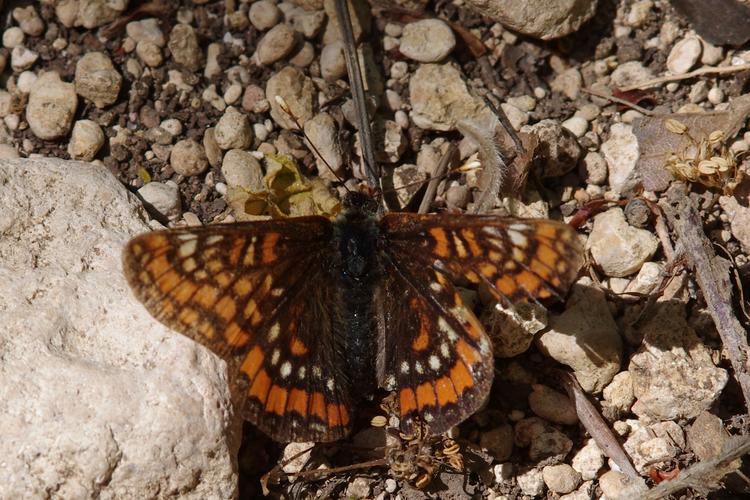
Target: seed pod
{"x":674,"y":126}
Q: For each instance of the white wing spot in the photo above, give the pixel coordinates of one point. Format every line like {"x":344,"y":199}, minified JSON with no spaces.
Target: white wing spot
{"x":436,"y":287}
{"x":275,"y":357}
{"x":189,"y":265}
{"x":329,"y":384}
{"x":316,"y":371}
{"x":273,"y":332}
{"x":427,"y":416}
{"x":390,"y":383}
{"x":518,"y":239}
{"x":499,"y":244}
{"x":188,"y":248}
{"x":418,"y":367}
{"x":301,"y":372}
{"x":519,"y":227}
{"x":277,"y":292}
{"x":492,"y":231}
{"x":212,"y":240}
{"x":434,"y":362}
{"x":447,"y":329}
{"x":404,"y":367}
{"x":444,"y":350}
{"x":286,"y":369}
{"x":187,"y":236}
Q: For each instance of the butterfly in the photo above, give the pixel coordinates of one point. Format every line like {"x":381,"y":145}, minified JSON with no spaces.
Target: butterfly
{"x":316,"y":314}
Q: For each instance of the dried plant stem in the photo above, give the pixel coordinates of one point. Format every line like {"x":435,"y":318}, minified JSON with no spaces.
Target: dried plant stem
{"x":706,"y":475}
{"x":698,"y":72}
{"x":618,"y":100}
{"x":712,"y":276}
{"x":595,"y":424}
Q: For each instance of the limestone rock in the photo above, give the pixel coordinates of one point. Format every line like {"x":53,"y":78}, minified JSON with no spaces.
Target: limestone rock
{"x":99,"y":399}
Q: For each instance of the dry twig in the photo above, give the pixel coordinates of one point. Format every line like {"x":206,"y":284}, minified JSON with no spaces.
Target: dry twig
{"x":619,"y":100}
{"x":594,"y":423}
{"x":712,"y":275}
{"x":704,"y":476}
{"x":698,"y":72}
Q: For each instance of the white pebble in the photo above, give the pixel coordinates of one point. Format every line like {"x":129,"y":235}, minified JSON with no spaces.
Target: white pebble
{"x":13,"y":37}
{"x":577,"y":125}
{"x":26,"y":81}
{"x":715,"y":95}
{"x":684,"y":55}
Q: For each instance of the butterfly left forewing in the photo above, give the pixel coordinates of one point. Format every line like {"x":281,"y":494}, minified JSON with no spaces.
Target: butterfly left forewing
{"x":260,"y":296}
{"x":433,"y":351}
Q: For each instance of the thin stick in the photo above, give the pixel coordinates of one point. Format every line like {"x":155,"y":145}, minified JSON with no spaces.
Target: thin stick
{"x":285,"y":108}
{"x":310,"y":475}
{"x":595,"y":424}
{"x":624,"y":102}
{"x":712,"y":276}
{"x":358,"y":92}
{"x":723,"y":70}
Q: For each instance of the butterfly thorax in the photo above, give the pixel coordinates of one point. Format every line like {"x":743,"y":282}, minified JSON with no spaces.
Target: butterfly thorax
{"x":356,"y":236}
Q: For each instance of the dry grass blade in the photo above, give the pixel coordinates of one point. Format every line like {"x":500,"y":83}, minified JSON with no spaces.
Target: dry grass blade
{"x":358,"y":92}
{"x":698,"y":72}
{"x":712,"y":275}
{"x":594,"y":423}
{"x":440,"y":171}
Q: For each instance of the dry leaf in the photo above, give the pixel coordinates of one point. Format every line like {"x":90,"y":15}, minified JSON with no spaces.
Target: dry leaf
{"x":657,"y":142}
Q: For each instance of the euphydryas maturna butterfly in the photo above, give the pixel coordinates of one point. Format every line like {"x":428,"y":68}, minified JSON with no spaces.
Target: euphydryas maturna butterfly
{"x":316,"y":314}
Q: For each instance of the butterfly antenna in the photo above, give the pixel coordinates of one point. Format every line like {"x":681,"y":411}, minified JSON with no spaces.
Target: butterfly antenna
{"x":285,"y":108}
{"x":358,"y":93}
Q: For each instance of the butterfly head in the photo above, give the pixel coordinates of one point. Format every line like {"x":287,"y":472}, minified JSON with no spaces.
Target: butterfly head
{"x":361,"y":201}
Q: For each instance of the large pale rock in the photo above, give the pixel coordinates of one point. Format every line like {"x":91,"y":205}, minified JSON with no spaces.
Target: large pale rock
{"x":98,"y":399}
{"x":673,"y":374}
{"x":440,"y":98}
{"x":88,"y":13}
{"x":618,"y":248}
{"x":545,"y":19}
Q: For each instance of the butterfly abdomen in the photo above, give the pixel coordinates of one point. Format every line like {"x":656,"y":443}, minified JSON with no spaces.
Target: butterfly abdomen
{"x":356,"y":236}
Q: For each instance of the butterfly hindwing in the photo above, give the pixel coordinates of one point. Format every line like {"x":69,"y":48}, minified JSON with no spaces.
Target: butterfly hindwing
{"x":434,"y":353}
{"x":259,"y":295}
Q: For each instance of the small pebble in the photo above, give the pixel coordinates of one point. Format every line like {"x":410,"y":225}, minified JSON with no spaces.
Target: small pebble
{"x":715,"y":95}
{"x":576,"y":124}
{"x":233,"y":130}
{"x":28,"y":20}
{"x":332,"y":62}
{"x":684,"y":55}
{"x":149,"y":53}
{"x":97,"y":80}
{"x":164,"y":197}
{"x":13,"y":37}
{"x":85,"y":140}
{"x":26,"y":81}
{"x":233,"y":93}
{"x":264,"y":15}
{"x":22,"y":58}
{"x":276,"y":44}
{"x":188,"y":158}
{"x":51,"y":107}
{"x":427,"y":41}
{"x":172,"y":125}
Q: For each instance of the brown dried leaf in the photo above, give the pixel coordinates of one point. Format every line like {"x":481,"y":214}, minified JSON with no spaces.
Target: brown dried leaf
{"x":656,"y":142}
